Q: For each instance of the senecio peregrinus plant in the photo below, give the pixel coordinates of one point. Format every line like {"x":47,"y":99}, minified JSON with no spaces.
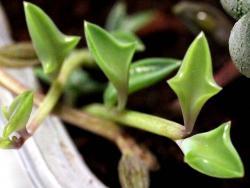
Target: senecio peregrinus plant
{"x":211,"y":153}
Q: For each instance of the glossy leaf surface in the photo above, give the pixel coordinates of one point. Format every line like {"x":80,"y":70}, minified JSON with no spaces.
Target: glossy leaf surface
{"x":128,"y":37}
{"x":142,"y":74}
{"x":194,"y":83}
{"x":212,"y":153}
{"x":50,"y":44}
{"x":18,"y":113}
{"x":112,"y":56}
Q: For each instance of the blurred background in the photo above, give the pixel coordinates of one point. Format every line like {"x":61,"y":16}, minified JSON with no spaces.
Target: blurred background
{"x":168,"y":34}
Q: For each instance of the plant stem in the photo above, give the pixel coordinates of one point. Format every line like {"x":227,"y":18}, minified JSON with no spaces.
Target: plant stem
{"x":18,"y":55}
{"x":17,"y":63}
{"x":139,"y":120}
{"x":85,"y":121}
{"x":21,"y":50}
{"x":108,"y":130}
{"x":122,"y":99}
{"x":54,"y":93}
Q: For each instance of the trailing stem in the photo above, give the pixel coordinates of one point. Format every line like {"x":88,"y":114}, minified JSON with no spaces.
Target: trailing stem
{"x":104,"y":128}
{"x":139,"y":120}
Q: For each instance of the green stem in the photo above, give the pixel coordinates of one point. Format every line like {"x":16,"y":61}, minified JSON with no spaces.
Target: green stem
{"x":71,"y":63}
{"x":106,"y":129}
{"x":140,"y":120}
{"x":122,"y":99}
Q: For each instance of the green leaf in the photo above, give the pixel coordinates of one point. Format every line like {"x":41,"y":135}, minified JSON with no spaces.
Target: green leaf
{"x":42,"y":76}
{"x":128,"y":37}
{"x":18,"y":113}
{"x":5,"y":143}
{"x":5,"y":112}
{"x":116,"y":16}
{"x":80,"y":83}
{"x":136,"y":21}
{"x":118,"y":20}
{"x":194,"y":83}
{"x":212,"y":153}
{"x":142,"y":74}
{"x":50,"y":44}
{"x":112,"y":56}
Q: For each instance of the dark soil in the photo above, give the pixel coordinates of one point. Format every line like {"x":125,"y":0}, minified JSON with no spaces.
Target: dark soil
{"x":172,"y":40}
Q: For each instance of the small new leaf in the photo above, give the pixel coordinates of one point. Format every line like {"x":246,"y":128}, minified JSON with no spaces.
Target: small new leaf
{"x":18,"y":113}
{"x":142,"y":74}
{"x":50,"y":44}
{"x":194,"y":83}
{"x":113,"y":57}
{"x":212,"y":153}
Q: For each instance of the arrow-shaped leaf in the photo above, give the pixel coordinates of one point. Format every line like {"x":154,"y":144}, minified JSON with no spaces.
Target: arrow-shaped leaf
{"x":142,"y":74}
{"x":212,"y":153}
{"x":50,"y":44}
{"x":194,"y":83}
{"x":113,"y":57}
{"x":18,"y":113}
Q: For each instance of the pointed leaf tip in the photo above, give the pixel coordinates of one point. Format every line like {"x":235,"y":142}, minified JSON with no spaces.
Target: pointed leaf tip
{"x":194,"y":83}
{"x":50,"y":44}
{"x":113,"y":56}
{"x":212,"y":153}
